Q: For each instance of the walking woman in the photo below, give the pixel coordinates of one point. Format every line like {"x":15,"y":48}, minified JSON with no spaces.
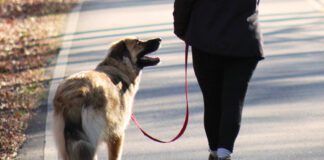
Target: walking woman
{"x":226,"y":48}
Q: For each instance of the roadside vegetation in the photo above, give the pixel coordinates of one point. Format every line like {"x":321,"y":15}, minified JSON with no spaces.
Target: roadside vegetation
{"x":29,"y":41}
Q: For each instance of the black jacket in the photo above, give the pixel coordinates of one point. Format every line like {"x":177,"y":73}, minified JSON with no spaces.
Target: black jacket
{"x":225,"y":27}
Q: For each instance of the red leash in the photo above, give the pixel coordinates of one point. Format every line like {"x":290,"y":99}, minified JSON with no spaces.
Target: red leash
{"x":185,"y":123}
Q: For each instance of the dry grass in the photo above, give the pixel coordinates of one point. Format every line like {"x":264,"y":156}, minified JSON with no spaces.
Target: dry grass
{"x":27,"y":46}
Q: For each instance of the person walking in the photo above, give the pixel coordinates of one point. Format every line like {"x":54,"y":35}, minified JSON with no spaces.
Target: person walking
{"x":226,"y":48}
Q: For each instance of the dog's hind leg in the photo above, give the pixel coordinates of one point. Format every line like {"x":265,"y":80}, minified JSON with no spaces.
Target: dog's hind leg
{"x":115,"y":146}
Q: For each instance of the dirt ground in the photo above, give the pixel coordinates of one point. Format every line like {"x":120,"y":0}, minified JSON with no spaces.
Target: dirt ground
{"x":30,"y":34}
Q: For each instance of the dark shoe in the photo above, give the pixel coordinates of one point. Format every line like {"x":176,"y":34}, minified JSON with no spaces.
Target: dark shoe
{"x":211,"y":157}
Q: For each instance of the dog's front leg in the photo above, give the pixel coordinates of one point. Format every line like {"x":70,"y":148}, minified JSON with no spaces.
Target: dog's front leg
{"x":115,"y":146}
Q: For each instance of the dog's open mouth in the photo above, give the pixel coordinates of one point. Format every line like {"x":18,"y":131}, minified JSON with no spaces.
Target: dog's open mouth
{"x":149,"y":61}
{"x":151,"y":46}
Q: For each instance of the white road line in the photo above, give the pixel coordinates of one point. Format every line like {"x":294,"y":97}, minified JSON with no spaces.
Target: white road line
{"x":59,"y":72}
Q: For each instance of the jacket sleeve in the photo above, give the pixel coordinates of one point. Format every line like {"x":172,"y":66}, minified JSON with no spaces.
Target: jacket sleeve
{"x":181,"y":16}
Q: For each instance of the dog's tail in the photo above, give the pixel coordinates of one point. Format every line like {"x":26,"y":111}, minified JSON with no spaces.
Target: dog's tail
{"x":77,"y":143}
{"x":71,"y":140}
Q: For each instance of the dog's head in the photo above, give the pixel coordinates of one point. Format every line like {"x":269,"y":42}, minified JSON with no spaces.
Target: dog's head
{"x":133,"y":52}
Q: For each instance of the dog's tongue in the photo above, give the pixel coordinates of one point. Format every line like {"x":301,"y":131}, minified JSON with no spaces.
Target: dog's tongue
{"x":151,"y":58}
{"x":155,"y":58}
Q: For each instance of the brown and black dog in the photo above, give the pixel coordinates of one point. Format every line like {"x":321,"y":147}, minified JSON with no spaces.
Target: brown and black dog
{"x":95,"y":106}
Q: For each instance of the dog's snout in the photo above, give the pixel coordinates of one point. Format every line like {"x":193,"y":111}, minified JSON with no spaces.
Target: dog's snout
{"x":158,"y":39}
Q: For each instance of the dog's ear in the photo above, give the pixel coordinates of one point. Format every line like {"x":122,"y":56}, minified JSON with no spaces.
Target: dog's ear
{"x":119,"y":50}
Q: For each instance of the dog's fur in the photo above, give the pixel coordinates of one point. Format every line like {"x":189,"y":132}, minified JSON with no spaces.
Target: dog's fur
{"x":95,"y":106}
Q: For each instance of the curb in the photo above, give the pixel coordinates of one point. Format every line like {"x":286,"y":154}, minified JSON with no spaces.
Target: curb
{"x":59,"y":73}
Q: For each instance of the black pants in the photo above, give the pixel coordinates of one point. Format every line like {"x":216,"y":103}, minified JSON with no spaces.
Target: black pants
{"x":223,"y":82}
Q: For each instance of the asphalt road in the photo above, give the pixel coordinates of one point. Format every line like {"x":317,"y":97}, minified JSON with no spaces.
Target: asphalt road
{"x":284,"y":113}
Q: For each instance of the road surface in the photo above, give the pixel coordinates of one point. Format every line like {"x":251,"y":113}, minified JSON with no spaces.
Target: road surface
{"x":284,"y":112}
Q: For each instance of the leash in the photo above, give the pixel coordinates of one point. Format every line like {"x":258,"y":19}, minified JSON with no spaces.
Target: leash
{"x":185,"y":123}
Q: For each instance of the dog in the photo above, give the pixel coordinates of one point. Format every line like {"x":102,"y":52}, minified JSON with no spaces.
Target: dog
{"x":95,"y":106}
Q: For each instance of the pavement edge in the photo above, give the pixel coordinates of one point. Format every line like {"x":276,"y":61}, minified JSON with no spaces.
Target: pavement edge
{"x":59,"y":73}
